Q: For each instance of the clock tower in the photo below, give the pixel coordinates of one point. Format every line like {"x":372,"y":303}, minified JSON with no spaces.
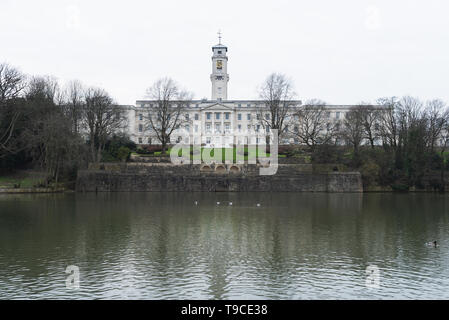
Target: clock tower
{"x":219,"y":76}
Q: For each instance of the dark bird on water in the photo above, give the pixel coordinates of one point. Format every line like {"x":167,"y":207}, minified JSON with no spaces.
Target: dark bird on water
{"x":433,"y":244}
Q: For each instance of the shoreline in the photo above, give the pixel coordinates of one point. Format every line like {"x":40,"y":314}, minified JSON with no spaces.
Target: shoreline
{"x":33,"y":190}
{"x":48,"y":191}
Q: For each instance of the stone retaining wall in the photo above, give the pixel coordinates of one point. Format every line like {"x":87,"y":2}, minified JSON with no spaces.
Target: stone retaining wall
{"x":167,"y":177}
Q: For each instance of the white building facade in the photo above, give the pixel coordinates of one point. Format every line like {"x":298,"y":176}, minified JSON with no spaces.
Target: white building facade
{"x":217,"y":122}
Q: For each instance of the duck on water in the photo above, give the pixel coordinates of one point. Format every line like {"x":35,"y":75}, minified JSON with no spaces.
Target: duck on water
{"x":432,"y":244}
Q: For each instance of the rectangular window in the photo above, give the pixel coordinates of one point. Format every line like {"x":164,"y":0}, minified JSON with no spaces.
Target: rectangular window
{"x":258,"y":116}
{"x":140,"y":128}
{"x":258,"y":128}
{"x":187,"y":116}
{"x":227,"y":115}
{"x":217,"y":116}
{"x":197,"y":117}
{"x":328,"y":114}
{"x":140,"y":116}
{"x":248,"y":116}
{"x":337,"y":115}
{"x":227,"y":127}
{"x":267,"y":116}
{"x":217,"y":128}
{"x":248,"y":105}
{"x":208,"y":115}
{"x":140,"y":140}
{"x":239,"y":116}
{"x":239,"y":127}
{"x":208,"y":140}
{"x":207,"y":127}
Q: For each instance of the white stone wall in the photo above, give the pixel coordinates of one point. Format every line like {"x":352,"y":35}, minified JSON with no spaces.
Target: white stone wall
{"x":216,"y":129}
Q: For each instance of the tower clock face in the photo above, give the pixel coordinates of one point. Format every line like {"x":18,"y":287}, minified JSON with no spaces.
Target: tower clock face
{"x":219,"y":64}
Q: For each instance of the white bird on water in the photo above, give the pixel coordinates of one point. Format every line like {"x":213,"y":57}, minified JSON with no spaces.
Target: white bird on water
{"x":230,"y":203}
{"x":196,"y":203}
{"x":258,"y":204}
{"x":218,"y":203}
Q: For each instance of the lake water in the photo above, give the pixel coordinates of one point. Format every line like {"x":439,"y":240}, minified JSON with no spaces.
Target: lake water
{"x":163,"y":246}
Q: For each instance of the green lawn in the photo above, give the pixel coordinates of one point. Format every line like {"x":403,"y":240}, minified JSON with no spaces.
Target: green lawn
{"x":221,"y":154}
{"x":19,"y":181}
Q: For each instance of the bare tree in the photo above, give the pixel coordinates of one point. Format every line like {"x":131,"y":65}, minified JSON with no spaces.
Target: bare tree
{"x":73,"y":104}
{"x":59,"y":147}
{"x":44,"y":88}
{"x":437,"y":115}
{"x":370,"y":120}
{"x":12,"y":84}
{"x":102,"y":118}
{"x":309,"y":124}
{"x":388,"y":126}
{"x":277,"y":93}
{"x":352,"y":130}
{"x":165,"y":115}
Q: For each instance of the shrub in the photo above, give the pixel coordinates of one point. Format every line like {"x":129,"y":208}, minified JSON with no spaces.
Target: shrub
{"x":328,"y":154}
{"x":370,"y":173}
{"x":123,"y":153}
{"x":400,"y":187}
{"x":154,"y":148}
{"x":114,"y":144}
{"x":287,"y":150}
{"x":143,"y":151}
{"x":436,"y":161}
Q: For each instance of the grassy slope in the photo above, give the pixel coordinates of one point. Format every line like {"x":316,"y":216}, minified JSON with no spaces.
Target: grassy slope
{"x":24,"y":179}
{"x":250,"y":153}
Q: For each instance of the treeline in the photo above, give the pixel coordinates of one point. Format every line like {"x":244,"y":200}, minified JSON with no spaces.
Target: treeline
{"x":398,"y":142}
{"x":58,"y":129}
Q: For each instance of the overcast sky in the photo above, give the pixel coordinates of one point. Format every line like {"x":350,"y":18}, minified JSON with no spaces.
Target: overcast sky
{"x":343,"y":51}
